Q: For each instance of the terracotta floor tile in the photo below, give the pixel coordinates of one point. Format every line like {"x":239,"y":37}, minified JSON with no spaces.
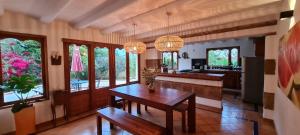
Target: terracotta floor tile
{"x":234,"y":120}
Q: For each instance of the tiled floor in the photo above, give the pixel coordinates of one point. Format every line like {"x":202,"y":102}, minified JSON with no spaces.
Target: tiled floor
{"x":237,"y":118}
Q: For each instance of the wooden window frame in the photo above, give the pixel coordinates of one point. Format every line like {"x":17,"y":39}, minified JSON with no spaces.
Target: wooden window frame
{"x":172,"y":58}
{"x":43,"y":40}
{"x":91,"y":45}
{"x":229,"y":55}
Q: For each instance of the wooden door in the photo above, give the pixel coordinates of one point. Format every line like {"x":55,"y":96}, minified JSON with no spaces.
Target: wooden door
{"x":77,"y":57}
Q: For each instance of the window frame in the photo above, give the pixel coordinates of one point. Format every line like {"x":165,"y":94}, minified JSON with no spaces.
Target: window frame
{"x":172,"y":59}
{"x":93,"y":65}
{"x":229,"y":55}
{"x":43,"y":40}
{"x":91,"y":46}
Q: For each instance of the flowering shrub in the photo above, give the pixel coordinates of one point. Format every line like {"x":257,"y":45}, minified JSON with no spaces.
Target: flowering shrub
{"x":21,"y":69}
{"x":20,"y":57}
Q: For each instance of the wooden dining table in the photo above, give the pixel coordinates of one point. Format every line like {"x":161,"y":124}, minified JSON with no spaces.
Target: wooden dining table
{"x":165,"y":99}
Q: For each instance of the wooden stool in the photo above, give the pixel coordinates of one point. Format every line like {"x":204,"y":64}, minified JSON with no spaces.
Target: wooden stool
{"x":59,"y":98}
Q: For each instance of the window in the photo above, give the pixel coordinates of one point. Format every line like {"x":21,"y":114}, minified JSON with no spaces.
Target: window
{"x":97,"y":66}
{"x":78,"y":58}
{"x":133,"y":67}
{"x":223,"y":56}
{"x":23,"y":54}
{"x":101,"y":67}
{"x":170,"y":59}
{"x":120,"y":64}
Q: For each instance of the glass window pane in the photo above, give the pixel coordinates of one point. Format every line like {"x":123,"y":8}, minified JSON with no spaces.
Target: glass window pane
{"x":167,"y":59}
{"x":234,"y":57}
{"x":78,"y":57}
{"x":133,"y":67}
{"x":175,"y":60}
{"x":218,"y":57}
{"x":19,"y":58}
{"x":120,"y":64}
{"x":101,"y":67}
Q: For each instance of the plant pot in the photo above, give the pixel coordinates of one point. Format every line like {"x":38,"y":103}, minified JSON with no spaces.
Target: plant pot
{"x":25,"y":121}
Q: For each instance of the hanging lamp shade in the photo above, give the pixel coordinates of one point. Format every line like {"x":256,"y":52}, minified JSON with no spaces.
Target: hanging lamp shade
{"x":168,"y":42}
{"x":135,"y":46}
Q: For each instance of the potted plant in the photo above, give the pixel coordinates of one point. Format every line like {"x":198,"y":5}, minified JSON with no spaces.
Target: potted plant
{"x":24,"y":111}
{"x":150,"y":78}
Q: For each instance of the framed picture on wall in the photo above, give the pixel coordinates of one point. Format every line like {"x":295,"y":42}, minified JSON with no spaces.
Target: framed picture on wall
{"x":289,"y":64}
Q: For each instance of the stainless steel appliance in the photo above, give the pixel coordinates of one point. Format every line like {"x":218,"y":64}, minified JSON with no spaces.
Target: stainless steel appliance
{"x":252,"y":79}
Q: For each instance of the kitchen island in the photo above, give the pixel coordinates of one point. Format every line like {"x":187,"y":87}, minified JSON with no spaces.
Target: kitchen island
{"x":208,"y":87}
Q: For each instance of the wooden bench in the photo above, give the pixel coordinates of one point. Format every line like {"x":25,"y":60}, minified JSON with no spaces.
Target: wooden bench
{"x":130,"y":123}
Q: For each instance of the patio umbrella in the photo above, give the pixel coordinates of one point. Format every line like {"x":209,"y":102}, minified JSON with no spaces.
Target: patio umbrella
{"x":76,"y":65}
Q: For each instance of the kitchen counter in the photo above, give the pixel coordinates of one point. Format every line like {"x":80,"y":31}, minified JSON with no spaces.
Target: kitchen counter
{"x":231,"y":78}
{"x":206,"y":76}
{"x":207,"y":87}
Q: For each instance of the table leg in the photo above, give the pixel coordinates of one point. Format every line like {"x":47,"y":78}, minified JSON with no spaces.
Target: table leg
{"x":112,"y":101}
{"x":129,"y":106}
{"x":192,"y":114}
{"x":138,"y":108}
{"x":169,"y":122}
{"x":99,"y":125}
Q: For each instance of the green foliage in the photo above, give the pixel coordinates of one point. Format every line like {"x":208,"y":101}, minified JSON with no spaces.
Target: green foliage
{"x":101,"y":63}
{"x":20,"y":85}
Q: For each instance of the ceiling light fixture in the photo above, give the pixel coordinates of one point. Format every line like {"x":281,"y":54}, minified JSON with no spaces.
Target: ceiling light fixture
{"x":135,"y":46}
{"x":168,"y":42}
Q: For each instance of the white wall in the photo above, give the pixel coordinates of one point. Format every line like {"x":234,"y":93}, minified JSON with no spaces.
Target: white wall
{"x":286,"y":114}
{"x":198,"y":50}
{"x":55,"y":31}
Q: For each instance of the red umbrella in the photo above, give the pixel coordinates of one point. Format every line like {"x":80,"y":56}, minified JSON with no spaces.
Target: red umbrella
{"x":76,"y":65}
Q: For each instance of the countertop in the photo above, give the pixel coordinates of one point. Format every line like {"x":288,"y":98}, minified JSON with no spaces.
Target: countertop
{"x":203,"y":76}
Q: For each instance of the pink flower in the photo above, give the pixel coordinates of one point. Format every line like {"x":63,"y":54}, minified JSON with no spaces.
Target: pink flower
{"x":20,"y":64}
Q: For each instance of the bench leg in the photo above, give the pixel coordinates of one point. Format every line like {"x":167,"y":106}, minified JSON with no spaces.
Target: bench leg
{"x":99,"y":125}
{"x":138,"y":108}
{"x":146,"y":108}
{"x":183,"y":121}
{"x":129,"y":106}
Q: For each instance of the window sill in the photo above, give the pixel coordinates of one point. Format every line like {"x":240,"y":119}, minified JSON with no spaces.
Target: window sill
{"x":34,"y":101}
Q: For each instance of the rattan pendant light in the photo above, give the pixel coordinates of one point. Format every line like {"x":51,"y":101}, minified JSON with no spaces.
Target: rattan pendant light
{"x":135,"y":46}
{"x":168,"y":42}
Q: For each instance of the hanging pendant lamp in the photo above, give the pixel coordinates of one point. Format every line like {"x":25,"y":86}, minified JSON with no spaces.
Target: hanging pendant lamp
{"x":135,"y":46}
{"x":168,"y":42}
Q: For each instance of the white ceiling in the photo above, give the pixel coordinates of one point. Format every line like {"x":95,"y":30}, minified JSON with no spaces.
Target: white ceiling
{"x":149,"y":15}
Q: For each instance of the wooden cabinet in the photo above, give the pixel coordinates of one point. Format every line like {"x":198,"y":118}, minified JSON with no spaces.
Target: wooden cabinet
{"x":231,"y":79}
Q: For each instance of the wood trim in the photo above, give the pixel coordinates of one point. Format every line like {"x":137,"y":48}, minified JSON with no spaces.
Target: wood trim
{"x":270,"y":66}
{"x":268,"y":100}
{"x":236,"y":28}
{"x":44,"y":54}
{"x":151,"y":47}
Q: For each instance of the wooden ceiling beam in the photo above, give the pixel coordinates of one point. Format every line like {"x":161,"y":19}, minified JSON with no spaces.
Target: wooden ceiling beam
{"x":256,"y":12}
{"x":115,"y":27}
{"x":229,"y":29}
{"x":55,"y":7}
{"x":107,"y":7}
{"x":1,"y":10}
